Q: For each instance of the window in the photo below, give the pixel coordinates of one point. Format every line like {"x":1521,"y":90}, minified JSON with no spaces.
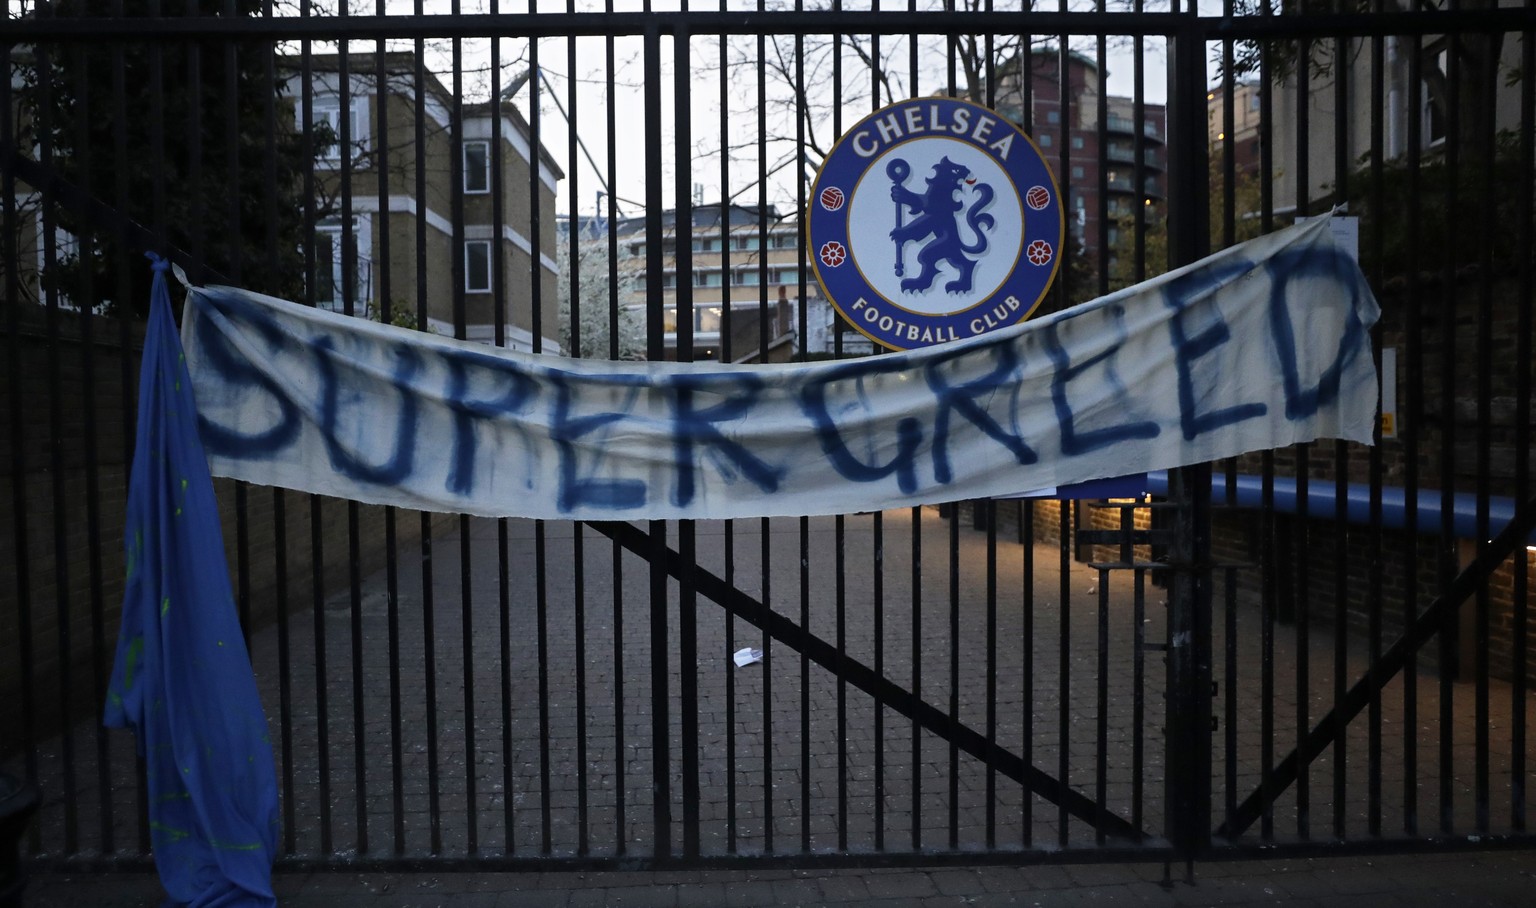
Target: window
{"x":327,"y":113}
{"x":477,"y":266}
{"x":477,"y":167}
{"x":1077,"y":173}
{"x":1045,"y":140}
{"x":336,"y":253}
{"x":1077,"y":142}
{"x":1053,"y":116}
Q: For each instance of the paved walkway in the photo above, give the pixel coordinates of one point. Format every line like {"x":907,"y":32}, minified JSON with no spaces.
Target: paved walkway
{"x":1462,"y":880}
{"x":529,"y":729}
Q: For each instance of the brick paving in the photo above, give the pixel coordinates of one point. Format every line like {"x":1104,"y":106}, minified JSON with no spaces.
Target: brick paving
{"x":544,"y":734}
{"x":1505,"y":879}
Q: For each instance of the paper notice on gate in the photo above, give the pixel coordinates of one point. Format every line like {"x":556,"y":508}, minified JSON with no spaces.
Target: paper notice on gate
{"x":746,"y":656}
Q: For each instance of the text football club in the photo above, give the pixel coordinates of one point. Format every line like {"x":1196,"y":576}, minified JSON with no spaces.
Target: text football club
{"x":934,"y":220}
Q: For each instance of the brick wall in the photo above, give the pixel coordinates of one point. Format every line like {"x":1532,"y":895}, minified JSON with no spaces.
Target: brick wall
{"x":61,"y":545}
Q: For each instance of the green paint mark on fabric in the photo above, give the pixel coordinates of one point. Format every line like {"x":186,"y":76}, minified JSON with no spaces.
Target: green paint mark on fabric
{"x":174,"y":796}
{"x":175,"y":834}
{"x":231,"y":846}
{"x":135,"y":647}
{"x":165,"y":606}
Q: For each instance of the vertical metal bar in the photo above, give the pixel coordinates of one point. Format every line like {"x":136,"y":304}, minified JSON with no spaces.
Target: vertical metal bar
{"x":838,"y":526}
{"x":877,"y":589}
{"x":687,"y":539}
{"x":1027,"y":650}
{"x":765,"y":536}
{"x":1101,"y":757}
{"x":954,"y":676}
{"x":1450,"y":667}
{"x":1064,"y":637}
{"x":917,"y":572}
{"x":1138,"y":700}
{"x":322,"y":681}
{"x":350,"y":257}
{"x":992,"y":746}
{"x":1487,"y":94}
{"x":1413,"y":412}
{"x":1520,"y":631}
{"x":1229,"y":700}
{"x":578,"y":540}
{"x":1374,"y":578}
{"x":1341,"y":169}
{"x":57,"y":480}
{"x":661,"y":777}
{"x":459,"y":271}
{"x":428,"y":593}
{"x":540,"y":528}
{"x":620,"y":768}
{"x":316,"y":534}
{"x":805,"y":684}
{"x":917,"y":677}
{"x":1302,"y":530}
{"x":1270,"y":576}
{"x":384,"y":95}
{"x":1189,"y":601}
{"x":91,"y":462}
{"x":20,"y":537}
{"x":841,"y":618}
{"x":273,"y":249}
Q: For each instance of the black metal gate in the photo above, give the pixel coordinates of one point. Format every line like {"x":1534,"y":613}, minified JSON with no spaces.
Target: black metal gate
{"x":1321,"y":647}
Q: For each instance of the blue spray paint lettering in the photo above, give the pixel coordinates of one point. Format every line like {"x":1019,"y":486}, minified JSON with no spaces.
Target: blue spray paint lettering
{"x":400,"y":463}
{"x":1289,"y":265}
{"x":236,"y":371}
{"x":1185,"y":296}
{"x":521,"y":389}
{"x":692,"y":427}
{"x":565,"y":430}
{"x":1074,"y":442}
{"x":909,"y":433}
{"x":963,"y":400}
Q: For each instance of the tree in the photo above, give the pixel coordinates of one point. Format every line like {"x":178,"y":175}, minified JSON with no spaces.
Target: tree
{"x":593,"y":298}
{"x":191,"y":140}
{"x":1460,"y":72}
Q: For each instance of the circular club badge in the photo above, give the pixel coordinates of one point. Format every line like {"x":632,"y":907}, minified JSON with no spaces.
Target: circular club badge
{"x":934,"y":220}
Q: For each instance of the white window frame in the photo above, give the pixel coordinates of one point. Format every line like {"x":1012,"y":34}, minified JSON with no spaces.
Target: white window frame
{"x":327,"y":109}
{"x":469,"y":272}
{"x":484,"y":171}
{"x":362,"y":241}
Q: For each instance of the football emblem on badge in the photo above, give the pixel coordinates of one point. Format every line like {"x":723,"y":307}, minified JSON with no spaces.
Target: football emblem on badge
{"x":934,"y":220}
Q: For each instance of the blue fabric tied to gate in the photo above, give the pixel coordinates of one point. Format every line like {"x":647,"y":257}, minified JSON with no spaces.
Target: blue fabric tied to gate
{"x":182,"y":678}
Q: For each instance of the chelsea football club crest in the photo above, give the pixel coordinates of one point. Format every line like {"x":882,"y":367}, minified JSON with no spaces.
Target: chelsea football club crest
{"x":934,"y":220}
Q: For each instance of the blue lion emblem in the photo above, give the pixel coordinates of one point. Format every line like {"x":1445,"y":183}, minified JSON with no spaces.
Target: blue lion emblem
{"x":936,"y":214}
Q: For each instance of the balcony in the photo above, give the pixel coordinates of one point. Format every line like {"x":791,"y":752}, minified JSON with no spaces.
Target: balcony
{"x":1126,"y":125}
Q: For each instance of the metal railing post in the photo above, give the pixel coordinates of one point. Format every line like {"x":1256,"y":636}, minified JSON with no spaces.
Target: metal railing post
{"x":1189,"y":701}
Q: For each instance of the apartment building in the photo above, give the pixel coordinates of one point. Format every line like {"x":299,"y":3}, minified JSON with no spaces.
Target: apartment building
{"x":1121,"y":162}
{"x":746,"y":280}
{"x":468,"y":223}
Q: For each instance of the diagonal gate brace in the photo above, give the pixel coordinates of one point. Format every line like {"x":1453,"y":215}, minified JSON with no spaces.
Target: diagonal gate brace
{"x":881,"y":688}
{"x":1429,"y":623}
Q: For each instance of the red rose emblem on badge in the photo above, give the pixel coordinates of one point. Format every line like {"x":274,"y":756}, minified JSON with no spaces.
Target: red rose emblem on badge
{"x":832,"y":198}
{"x":1039,"y":252}
{"x":833,"y":253}
{"x":1038,"y":197}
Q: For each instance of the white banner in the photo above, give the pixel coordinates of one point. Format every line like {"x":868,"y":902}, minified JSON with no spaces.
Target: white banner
{"x":1260,"y":346}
